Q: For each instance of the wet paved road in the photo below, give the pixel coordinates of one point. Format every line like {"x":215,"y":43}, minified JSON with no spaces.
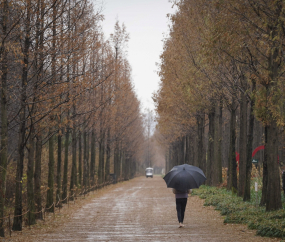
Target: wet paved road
{"x":143,"y":209}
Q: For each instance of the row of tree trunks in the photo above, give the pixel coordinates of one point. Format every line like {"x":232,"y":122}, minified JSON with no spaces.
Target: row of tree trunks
{"x":237,"y":62}
{"x":44,"y":93}
{"x":179,"y":152}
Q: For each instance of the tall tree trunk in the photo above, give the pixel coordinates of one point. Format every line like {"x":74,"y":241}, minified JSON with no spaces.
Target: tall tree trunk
{"x":38,"y":156}
{"x":37,"y":175}
{"x":4,"y":119}
{"x":65,"y":166}
{"x":220,"y":171}
{"x":246,"y":196}
{"x":169,"y":158}
{"x":93,"y":158}
{"x":101,"y":157}
{"x":123,"y":164}
{"x":115,"y":153}
{"x":60,"y":129}
{"x":195,"y":150}
{"x":50,"y":192}
{"x":59,"y":161}
{"x":185,"y":150}
{"x":120,"y":159}
{"x":217,"y":161}
{"x":166,"y":155}
{"x":264,"y":170}
{"x":30,"y":176}
{"x":232,"y":167}
{"x":108,"y":156}
{"x":85,"y":161}
{"x":79,"y":159}
{"x":50,"y":199}
{"x":210,"y":153}
{"x":200,"y":143}
{"x":273,"y":193}
{"x":127,"y":166}
{"x":242,"y":145}
{"x":73,"y":178}
{"x":17,"y":225}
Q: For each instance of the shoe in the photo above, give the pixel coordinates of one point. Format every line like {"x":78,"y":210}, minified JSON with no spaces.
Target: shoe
{"x":180,"y":225}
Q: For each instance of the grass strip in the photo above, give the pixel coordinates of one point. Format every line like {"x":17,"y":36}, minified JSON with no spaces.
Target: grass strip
{"x":235,"y":210}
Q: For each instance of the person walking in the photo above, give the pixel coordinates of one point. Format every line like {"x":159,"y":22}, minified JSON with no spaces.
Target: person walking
{"x":181,"y":202}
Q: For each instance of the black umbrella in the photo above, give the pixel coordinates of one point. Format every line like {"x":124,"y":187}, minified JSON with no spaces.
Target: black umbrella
{"x":184,"y":177}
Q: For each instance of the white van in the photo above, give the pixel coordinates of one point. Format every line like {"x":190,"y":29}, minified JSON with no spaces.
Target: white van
{"x":149,"y":172}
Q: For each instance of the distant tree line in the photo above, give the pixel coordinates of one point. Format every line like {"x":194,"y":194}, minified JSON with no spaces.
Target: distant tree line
{"x":69,"y":114}
{"x":222,"y":86}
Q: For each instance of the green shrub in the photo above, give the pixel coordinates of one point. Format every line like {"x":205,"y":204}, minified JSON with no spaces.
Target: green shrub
{"x":235,"y":210}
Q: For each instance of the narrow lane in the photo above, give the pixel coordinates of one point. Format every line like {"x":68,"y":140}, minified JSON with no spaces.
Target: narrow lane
{"x":143,"y":209}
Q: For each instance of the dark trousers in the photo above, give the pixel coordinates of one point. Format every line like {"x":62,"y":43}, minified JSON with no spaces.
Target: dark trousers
{"x":180,"y":207}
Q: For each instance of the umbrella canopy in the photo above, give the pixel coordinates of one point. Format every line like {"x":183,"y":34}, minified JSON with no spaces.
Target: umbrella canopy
{"x":184,"y":177}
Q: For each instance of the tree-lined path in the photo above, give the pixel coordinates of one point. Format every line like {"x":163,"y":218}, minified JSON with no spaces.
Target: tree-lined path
{"x":143,"y":209}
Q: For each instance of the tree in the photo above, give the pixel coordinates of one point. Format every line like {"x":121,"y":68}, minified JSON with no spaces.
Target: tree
{"x":4,"y":118}
{"x":17,"y":224}
{"x":72,"y":83}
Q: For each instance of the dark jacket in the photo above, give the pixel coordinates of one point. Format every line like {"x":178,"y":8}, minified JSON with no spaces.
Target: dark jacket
{"x":180,"y":192}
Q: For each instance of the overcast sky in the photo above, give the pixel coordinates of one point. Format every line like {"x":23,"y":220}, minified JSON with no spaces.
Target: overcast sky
{"x":146,"y":22}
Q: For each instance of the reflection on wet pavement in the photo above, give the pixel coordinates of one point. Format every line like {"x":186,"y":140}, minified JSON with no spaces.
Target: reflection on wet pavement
{"x":144,"y":210}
